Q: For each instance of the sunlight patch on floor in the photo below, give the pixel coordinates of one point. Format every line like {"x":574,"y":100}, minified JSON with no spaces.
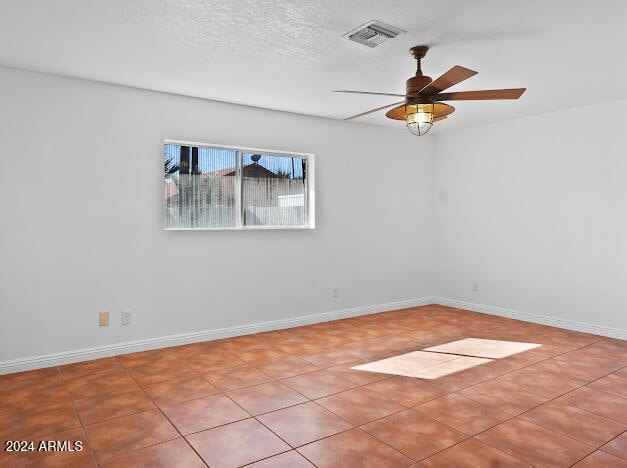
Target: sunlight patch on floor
{"x":493,"y":349}
{"x":422,"y":364}
{"x":445,"y":359}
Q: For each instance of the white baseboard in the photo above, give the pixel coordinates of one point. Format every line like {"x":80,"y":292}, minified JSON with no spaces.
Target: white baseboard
{"x":541,"y":319}
{"x":86,"y":354}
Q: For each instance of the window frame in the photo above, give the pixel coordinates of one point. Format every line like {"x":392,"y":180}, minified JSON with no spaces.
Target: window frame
{"x":309,"y":179}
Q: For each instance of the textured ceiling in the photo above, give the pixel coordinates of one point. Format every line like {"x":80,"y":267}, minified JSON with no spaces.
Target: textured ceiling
{"x":289,"y":54}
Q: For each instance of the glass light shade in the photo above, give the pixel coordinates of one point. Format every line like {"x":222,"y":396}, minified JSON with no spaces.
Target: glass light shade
{"x":419,"y":118}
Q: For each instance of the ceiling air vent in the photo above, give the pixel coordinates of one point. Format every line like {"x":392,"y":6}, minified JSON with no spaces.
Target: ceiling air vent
{"x":373,"y":33}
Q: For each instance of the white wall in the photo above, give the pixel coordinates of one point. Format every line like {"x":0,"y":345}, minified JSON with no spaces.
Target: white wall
{"x":535,"y":211}
{"x":81,"y":206}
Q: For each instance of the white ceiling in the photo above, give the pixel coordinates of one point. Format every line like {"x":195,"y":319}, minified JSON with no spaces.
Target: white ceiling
{"x":289,"y":54}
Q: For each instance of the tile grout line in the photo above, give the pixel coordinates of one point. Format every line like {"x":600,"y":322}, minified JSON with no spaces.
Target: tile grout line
{"x":539,"y":425}
{"x":292,"y":448}
{"x":255,"y":417}
{"x":599,"y":449}
{"x":220,"y":392}
{"x":353,"y":425}
{"x":122,"y":416}
{"x":80,"y":420}
{"x":168,"y":419}
{"x":156,"y":407}
{"x":295,"y":448}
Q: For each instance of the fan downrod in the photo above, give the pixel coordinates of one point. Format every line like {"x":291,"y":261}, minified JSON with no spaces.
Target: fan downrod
{"x":416,"y":83}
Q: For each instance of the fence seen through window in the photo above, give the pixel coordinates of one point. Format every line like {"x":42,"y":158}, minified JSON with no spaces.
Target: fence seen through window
{"x":228,"y":188}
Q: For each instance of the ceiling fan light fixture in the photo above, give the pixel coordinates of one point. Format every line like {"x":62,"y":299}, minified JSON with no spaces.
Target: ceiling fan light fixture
{"x":419,"y":118}
{"x":422,"y":106}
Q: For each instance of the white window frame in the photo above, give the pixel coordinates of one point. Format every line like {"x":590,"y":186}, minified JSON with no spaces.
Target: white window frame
{"x":310,"y":193}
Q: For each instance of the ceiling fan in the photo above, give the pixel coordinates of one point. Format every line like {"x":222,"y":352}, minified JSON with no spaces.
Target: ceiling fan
{"x":422,"y":105}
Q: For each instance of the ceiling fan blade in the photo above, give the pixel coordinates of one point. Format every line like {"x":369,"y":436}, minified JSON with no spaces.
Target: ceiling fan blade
{"x":367,"y":92}
{"x":374,"y":110}
{"x":455,"y":75}
{"x":513,"y":93}
{"x":442,"y":117}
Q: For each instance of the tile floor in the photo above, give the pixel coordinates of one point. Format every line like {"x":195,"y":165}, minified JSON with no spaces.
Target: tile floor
{"x":290,"y":398}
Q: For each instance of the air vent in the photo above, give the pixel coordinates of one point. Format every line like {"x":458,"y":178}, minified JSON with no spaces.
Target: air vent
{"x":373,"y":33}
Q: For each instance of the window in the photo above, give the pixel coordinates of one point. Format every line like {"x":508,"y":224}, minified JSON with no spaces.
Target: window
{"x":219,"y":187}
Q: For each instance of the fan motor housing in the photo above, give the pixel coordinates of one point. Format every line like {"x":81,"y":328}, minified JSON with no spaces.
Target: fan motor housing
{"x":416,"y":83}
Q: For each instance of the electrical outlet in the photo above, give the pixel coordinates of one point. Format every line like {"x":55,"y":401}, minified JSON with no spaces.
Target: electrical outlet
{"x":475,"y":287}
{"x":336,"y":292}
{"x":127,"y":316}
{"x":103,"y":319}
